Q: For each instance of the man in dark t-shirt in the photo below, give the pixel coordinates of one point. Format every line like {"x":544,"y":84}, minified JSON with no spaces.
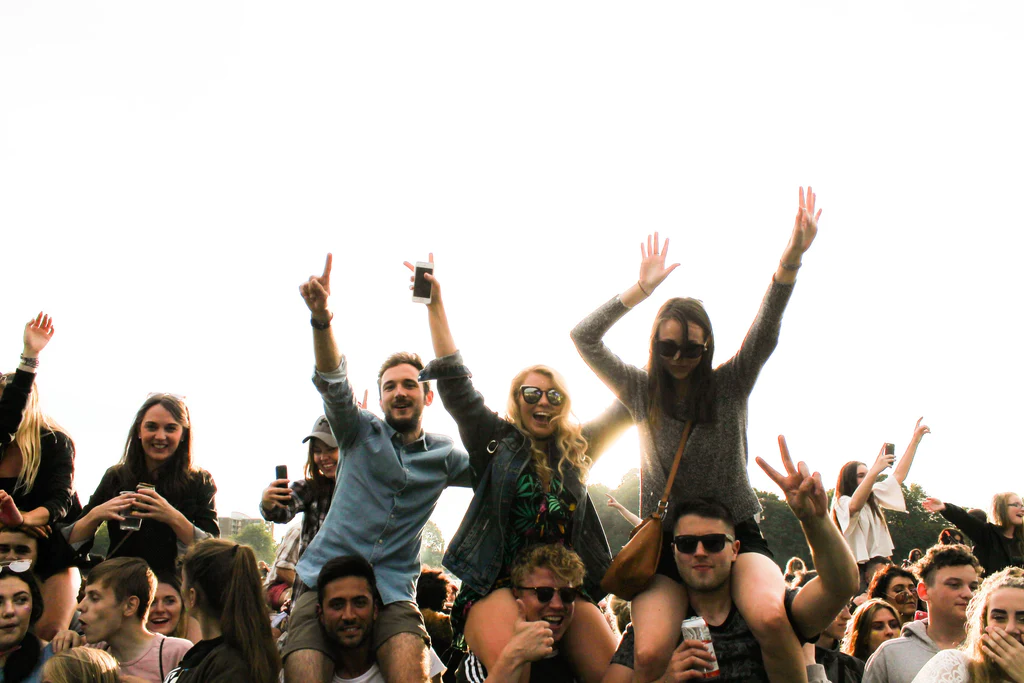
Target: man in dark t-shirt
{"x":705,"y":549}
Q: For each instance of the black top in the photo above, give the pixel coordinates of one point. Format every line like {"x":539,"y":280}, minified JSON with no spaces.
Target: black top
{"x":210,"y":660}
{"x":553,"y":669}
{"x":12,"y":404}
{"x":993,"y":550}
{"x":156,"y":542}
{"x":839,"y":666}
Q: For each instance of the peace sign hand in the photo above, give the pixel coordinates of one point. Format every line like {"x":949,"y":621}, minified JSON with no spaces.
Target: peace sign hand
{"x":316,"y":292}
{"x":805,"y":493}
{"x":652,"y":264}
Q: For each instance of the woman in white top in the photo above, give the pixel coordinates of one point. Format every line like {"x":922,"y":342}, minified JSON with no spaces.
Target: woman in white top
{"x":993,"y":650}
{"x":860,"y":497}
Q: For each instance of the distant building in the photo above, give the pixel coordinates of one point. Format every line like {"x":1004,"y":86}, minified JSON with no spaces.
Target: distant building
{"x":230,"y":526}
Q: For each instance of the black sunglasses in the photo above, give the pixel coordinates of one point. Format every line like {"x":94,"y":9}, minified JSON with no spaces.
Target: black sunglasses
{"x":668,"y":348}
{"x":546,"y":593}
{"x":713,"y":543}
{"x":532,"y":395}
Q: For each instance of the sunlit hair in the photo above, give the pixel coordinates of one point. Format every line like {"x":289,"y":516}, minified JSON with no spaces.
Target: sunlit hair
{"x":228,"y":590}
{"x":883,"y":578}
{"x":82,"y":665}
{"x":856,"y":642}
{"x":174,"y":581}
{"x":699,"y":402}
{"x":982,"y":669}
{"x":126,"y":577}
{"x":321,"y":485}
{"x":943,"y":556}
{"x":562,"y":562}
{"x":173,"y":475}
{"x":1000,"y":516}
{"x":572,"y":447}
{"x":847,"y":486}
{"x":29,"y":437}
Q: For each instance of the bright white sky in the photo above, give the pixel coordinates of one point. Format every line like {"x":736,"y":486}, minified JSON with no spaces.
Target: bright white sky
{"x":170,"y":173}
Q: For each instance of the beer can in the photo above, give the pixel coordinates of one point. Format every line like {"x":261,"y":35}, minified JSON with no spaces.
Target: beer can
{"x":695,"y":628}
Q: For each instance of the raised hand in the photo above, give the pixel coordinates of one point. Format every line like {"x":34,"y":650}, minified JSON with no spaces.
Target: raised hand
{"x":920,"y":430}
{"x":435,"y":286}
{"x":317,"y":291}
{"x":689,"y":662}
{"x":883,"y":461}
{"x":652,"y":264}
{"x":933,"y":505}
{"x":366,"y":397}
{"x":531,"y":641}
{"x":805,"y":227}
{"x":805,"y":493}
{"x":276,"y":495}
{"x":38,"y":333}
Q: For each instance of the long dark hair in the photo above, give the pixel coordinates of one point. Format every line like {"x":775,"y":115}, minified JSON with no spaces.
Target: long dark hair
{"x":173,"y":476}
{"x":847,"y":486}
{"x":227,"y":585}
{"x":699,"y":401}
{"x":858,"y":631}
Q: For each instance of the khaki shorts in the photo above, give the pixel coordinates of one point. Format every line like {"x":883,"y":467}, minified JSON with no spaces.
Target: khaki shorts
{"x":306,"y":633}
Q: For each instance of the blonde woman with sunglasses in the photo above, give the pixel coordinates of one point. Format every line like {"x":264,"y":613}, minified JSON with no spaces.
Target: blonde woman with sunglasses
{"x":529,"y":469}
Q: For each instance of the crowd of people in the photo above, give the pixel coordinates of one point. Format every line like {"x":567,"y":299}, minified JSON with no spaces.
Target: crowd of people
{"x":347,"y":600}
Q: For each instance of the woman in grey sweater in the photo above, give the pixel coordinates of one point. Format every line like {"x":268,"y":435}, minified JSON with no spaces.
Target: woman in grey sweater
{"x":677,"y":385}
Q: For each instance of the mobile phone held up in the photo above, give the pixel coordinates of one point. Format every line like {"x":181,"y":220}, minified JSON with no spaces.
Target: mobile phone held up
{"x":281,"y":472}
{"x":422,"y":289}
{"x":890,"y":449}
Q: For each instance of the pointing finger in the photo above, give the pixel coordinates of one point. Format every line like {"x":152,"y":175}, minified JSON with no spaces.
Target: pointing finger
{"x":327,"y":268}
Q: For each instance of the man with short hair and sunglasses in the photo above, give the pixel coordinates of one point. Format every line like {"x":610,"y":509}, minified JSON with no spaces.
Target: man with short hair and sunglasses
{"x":705,"y":549}
{"x":390,"y":476}
{"x":545,"y":583}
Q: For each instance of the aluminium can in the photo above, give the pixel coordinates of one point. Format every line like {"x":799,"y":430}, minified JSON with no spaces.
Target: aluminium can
{"x":695,"y":628}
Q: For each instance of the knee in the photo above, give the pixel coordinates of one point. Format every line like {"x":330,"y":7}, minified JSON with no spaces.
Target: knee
{"x":651,"y":659}
{"x":772,"y":626}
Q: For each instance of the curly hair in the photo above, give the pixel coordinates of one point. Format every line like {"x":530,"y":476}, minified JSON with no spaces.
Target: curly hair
{"x":942,"y":556}
{"x":563,"y":563}
{"x":572,"y":447}
{"x":982,"y":669}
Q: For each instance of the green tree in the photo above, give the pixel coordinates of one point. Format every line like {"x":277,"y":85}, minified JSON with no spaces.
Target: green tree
{"x":616,"y":528}
{"x":782,"y":529}
{"x":258,"y":537}
{"x":101,"y":542}
{"x":431,"y":545}
{"x":917,"y":528}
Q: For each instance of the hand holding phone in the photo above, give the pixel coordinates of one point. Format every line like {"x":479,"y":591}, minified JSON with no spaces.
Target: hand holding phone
{"x":281,"y":472}
{"x":422,"y":289}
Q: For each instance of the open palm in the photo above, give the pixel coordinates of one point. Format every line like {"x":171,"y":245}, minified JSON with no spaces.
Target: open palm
{"x":652,"y":263}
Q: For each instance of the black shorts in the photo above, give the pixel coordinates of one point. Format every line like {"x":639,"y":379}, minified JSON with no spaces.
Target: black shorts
{"x":55,"y":555}
{"x":748,"y":533}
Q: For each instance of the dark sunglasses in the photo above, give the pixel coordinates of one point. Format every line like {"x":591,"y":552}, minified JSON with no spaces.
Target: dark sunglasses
{"x":713,"y":543}
{"x":532,"y":395}
{"x":667,"y":348}
{"x":546,"y":593}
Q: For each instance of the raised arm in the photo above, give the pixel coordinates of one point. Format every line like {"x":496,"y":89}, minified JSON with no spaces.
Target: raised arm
{"x":958,"y":517}
{"x":903,"y":467}
{"x":440,"y":332}
{"x":16,"y":387}
{"x":331,"y":378}
{"x":860,"y":497}
{"x":623,"y":379}
{"x":817,"y":604}
{"x":805,"y":228}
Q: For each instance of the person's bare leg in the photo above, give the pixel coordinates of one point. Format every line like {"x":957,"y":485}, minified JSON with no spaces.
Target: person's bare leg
{"x":306,"y":666}
{"x":490,"y":625}
{"x":759,"y":589}
{"x":657,"y":613}
{"x":60,"y":595}
{"x":403,"y":658}
{"x":589,"y":642}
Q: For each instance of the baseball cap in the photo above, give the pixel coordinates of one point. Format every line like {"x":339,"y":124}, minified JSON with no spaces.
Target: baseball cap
{"x":322,"y":431}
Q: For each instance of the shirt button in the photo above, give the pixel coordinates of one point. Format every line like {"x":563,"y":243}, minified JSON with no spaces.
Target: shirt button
{"x":380,"y":541}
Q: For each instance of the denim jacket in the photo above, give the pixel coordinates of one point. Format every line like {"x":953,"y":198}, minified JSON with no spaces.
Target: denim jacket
{"x":498,"y":454}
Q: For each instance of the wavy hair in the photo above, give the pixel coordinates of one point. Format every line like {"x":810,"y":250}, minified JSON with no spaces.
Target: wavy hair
{"x":29,"y":438}
{"x":228,"y":589}
{"x":173,"y":476}
{"x":858,"y":631}
{"x":572,"y":447}
{"x":1000,"y":514}
{"x":699,"y":401}
{"x":984,"y":670}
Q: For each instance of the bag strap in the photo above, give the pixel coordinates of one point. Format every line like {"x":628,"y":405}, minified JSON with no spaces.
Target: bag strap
{"x":663,"y":503}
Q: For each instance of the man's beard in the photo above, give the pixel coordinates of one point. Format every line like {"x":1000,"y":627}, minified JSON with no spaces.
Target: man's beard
{"x":405,"y":425}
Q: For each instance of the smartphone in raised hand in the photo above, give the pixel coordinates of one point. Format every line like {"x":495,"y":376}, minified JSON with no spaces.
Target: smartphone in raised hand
{"x":422,"y":289}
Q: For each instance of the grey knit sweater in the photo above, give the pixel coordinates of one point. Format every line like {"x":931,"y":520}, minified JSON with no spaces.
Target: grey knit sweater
{"x":714,"y":462}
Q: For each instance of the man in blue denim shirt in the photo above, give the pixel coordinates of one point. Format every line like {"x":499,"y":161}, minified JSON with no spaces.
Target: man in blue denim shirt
{"x":389,"y":480}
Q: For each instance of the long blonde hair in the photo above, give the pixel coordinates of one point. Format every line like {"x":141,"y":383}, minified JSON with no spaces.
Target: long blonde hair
{"x":82,"y":665}
{"x":29,"y":439}
{"x":984,"y":670}
{"x":572,"y":447}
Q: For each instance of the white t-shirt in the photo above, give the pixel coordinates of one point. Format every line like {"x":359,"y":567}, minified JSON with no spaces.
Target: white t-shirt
{"x":373,"y":675}
{"x":865,"y":532}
